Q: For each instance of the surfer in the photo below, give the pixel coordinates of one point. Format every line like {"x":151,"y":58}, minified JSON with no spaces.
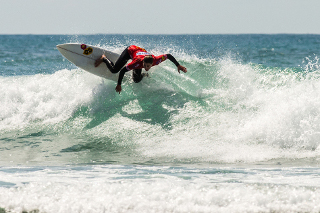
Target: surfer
{"x":140,"y":59}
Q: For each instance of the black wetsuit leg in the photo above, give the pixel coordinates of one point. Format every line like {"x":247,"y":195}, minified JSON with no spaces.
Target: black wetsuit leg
{"x":122,"y":60}
{"x":136,"y":75}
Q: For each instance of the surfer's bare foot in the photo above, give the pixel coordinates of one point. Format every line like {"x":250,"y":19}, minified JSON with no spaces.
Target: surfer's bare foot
{"x":99,"y":61}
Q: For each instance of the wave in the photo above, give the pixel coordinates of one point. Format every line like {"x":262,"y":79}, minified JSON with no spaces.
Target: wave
{"x":221,"y":111}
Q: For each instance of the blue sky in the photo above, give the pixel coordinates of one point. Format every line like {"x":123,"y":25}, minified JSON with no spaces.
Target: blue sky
{"x":159,"y":17}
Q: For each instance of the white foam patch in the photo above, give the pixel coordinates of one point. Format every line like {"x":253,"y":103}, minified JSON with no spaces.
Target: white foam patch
{"x":114,"y":189}
{"x":46,"y":98}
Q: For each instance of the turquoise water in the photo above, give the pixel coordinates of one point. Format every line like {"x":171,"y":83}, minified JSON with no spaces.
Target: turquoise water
{"x":239,"y":132}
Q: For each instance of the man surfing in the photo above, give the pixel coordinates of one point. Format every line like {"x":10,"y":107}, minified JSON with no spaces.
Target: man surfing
{"x":140,"y":59}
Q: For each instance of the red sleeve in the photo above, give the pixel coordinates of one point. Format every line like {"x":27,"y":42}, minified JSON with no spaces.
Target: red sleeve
{"x":158,"y":59}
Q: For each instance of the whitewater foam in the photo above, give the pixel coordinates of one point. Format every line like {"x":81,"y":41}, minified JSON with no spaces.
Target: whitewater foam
{"x":45,"y":98}
{"x":159,"y":189}
{"x":259,"y":118}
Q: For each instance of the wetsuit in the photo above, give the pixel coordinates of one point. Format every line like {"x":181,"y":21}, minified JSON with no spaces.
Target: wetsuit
{"x":137,"y":55}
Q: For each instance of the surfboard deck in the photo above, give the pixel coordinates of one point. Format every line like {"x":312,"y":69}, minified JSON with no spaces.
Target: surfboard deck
{"x":84,"y":56}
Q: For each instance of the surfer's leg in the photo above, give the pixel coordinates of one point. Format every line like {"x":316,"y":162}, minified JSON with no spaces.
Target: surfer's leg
{"x":122,"y":60}
{"x":109,"y":64}
{"x":136,"y":75}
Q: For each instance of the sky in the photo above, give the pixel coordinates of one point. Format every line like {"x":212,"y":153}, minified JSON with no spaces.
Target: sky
{"x":159,"y":16}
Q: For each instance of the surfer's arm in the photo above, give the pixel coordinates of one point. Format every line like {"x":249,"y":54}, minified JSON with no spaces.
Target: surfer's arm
{"x":173,"y":60}
{"x":121,"y":74}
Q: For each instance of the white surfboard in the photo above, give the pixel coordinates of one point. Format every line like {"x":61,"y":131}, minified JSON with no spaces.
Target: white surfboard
{"x":84,"y":56}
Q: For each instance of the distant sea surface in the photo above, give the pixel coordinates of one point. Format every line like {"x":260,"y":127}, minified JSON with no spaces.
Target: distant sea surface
{"x":239,"y":132}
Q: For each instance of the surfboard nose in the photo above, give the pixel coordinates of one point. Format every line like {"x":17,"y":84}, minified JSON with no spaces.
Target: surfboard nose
{"x":61,"y":49}
{"x":60,"y":45}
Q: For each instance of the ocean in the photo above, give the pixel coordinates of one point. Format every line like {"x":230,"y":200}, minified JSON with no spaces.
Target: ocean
{"x":239,"y":132}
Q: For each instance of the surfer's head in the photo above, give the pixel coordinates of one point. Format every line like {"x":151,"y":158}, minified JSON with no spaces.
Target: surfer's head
{"x":147,"y":62}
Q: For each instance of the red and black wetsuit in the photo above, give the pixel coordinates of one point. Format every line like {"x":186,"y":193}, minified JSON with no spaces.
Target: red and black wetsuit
{"x":137,"y":55}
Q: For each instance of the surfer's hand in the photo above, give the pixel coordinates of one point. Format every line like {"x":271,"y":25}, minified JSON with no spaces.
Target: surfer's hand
{"x":182,"y":68}
{"x":118,"y":88}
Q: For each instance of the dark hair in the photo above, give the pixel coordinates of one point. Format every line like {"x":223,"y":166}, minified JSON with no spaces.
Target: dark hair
{"x":148,"y":59}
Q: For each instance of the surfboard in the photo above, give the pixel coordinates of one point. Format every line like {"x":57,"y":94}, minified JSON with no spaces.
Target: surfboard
{"x":84,"y":56}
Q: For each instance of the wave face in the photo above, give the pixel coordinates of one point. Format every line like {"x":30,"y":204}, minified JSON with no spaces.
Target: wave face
{"x":245,"y":99}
